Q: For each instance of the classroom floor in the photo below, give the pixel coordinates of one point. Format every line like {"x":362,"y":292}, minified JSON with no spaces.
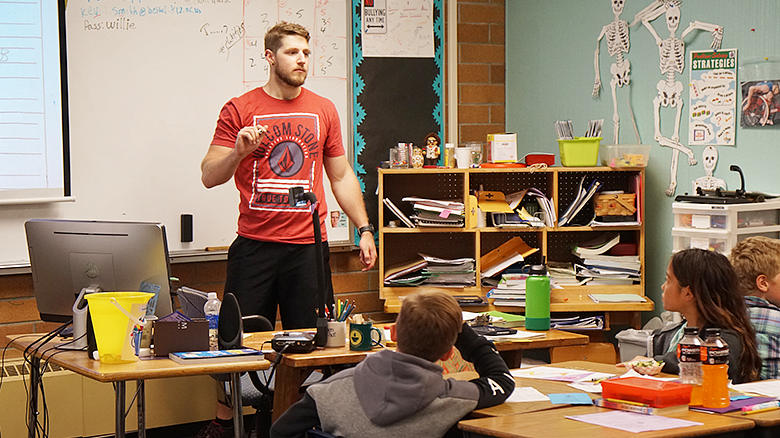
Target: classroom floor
{"x":188,"y":430}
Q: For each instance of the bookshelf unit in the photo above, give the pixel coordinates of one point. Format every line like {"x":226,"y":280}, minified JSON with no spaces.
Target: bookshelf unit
{"x":401,"y":244}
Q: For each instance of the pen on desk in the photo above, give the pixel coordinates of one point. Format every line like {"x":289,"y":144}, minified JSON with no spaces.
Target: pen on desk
{"x":761,"y":407}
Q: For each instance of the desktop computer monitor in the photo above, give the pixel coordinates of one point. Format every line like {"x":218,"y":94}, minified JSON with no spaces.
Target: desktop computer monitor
{"x":67,"y":256}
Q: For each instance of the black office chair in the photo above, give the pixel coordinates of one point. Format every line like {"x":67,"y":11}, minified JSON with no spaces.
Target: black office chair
{"x":256,"y":387}
{"x":255,"y":390}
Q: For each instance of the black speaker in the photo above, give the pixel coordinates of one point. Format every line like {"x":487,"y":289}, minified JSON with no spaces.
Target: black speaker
{"x":186,"y":228}
{"x":230,"y":329}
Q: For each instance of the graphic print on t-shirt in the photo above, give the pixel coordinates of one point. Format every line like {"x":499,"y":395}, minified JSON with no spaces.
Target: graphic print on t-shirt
{"x":283,"y":159}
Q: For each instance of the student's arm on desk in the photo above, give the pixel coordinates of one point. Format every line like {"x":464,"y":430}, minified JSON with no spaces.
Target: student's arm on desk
{"x":294,"y":423}
{"x":494,"y":382}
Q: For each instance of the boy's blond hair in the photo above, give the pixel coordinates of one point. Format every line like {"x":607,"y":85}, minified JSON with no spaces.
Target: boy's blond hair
{"x":428,"y":324}
{"x":754,"y":256}
{"x":273,"y":38}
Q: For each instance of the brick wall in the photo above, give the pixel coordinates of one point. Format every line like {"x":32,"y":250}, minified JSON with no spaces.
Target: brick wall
{"x":481,"y":69}
{"x":481,"y":73}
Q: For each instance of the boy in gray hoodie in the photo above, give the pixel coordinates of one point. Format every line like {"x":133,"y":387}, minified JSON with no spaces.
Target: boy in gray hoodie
{"x":402,"y":393}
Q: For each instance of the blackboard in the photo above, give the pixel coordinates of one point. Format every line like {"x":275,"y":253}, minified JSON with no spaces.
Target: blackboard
{"x":398,"y":97}
{"x":146,"y":81}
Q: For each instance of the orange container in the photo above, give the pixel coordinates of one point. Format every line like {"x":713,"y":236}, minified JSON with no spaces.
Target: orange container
{"x":655,"y":393}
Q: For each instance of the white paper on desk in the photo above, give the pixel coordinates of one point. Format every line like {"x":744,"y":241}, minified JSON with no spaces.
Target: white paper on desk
{"x":770,"y":388}
{"x":552,"y":373}
{"x":526,"y":394}
{"x":592,"y":383}
{"x":632,"y":373}
{"x":632,"y":422}
{"x":519,"y":335}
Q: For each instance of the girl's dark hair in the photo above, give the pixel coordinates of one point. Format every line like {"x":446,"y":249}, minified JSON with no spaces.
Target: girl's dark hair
{"x":713,"y":282}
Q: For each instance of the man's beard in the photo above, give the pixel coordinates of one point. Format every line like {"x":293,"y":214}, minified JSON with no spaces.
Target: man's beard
{"x":291,"y":79}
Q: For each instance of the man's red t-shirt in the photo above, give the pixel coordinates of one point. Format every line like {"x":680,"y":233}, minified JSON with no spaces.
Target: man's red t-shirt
{"x":300,"y":132}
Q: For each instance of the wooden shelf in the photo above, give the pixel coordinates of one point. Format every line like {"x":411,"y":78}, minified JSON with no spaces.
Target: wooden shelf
{"x":401,"y":244}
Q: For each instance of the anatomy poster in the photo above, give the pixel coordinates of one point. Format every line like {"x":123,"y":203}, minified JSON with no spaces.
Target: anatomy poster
{"x":713,"y":95}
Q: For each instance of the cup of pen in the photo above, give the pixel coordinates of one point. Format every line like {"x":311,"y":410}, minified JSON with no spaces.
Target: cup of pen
{"x":337,"y":334}
{"x":361,"y":336}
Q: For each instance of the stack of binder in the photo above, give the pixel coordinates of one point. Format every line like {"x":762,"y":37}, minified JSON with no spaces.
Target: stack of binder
{"x":437,"y":213}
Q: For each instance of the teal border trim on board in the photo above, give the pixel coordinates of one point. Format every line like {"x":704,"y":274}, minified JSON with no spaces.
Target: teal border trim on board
{"x":358,"y":113}
{"x":438,"y":82}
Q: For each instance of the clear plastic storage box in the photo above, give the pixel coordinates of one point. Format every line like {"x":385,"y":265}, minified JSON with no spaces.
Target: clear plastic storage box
{"x":625,"y":155}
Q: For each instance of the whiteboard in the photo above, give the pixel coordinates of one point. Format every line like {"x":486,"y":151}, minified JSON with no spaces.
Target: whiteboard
{"x":146,"y":82}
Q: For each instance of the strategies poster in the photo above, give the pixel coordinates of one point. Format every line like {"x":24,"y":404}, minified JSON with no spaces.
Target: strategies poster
{"x":713,"y":97}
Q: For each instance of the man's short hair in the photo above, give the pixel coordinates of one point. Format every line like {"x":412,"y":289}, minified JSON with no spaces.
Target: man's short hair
{"x":754,"y":256}
{"x":428,"y":324}
{"x":273,"y":38}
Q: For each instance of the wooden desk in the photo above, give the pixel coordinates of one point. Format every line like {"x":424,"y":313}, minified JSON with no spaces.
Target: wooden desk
{"x":551,"y":423}
{"x":544,"y":420}
{"x":293,"y":369}
{"x":119,"y":374}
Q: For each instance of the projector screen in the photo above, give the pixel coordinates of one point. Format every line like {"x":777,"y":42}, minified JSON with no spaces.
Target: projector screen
{"x":33,"y":102}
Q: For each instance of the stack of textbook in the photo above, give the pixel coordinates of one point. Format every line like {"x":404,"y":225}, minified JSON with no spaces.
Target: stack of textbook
{"x":639,"y":408}
{"x":510,"y":290}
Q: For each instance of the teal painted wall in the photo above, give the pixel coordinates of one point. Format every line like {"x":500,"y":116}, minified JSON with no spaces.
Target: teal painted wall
{"x":550,"y":48}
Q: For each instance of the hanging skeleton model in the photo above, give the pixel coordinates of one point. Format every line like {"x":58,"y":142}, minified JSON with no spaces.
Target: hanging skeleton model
{"x":672,"y":56}
{"x":616,"y":34}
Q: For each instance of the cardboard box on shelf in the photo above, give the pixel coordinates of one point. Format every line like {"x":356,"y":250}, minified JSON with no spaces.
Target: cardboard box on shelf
{"x":502,"y":148}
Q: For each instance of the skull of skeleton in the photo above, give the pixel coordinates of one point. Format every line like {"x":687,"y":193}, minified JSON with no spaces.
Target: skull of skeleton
{"x":617,"y":6}
{"x":710,"y":158}
{"x":673,"y":18}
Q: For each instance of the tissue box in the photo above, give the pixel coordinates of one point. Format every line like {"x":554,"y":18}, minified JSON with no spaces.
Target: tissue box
{"x":502,"y":148}
{"x":625,"y":155}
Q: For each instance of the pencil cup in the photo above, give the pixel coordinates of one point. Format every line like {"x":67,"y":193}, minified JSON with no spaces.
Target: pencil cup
{"x":361,"y":336}
{"x":337,"y":334}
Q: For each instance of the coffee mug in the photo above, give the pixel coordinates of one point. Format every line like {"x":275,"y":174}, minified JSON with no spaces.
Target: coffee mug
{"x":361,"y":336}
{"x":337,"y":334}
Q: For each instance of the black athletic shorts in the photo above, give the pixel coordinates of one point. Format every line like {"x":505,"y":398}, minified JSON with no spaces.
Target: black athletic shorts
{"x":264,"y":275}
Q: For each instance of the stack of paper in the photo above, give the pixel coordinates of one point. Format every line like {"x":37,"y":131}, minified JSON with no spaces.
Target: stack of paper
{"x":406,"y":274}
{"x":437,"y":213}
{"x":563,"y":274}
{"x":582,"y":198}
{"x":581,"y":323}
{"x":449,"y":272}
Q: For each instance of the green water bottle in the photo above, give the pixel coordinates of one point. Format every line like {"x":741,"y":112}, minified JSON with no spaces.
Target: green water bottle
{"x":537,"y":299}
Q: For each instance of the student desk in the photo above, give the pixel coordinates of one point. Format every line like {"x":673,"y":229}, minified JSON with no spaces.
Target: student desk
{"x":544,"y":420}
{"x":119,"y":374}
{"x":293,"y":369}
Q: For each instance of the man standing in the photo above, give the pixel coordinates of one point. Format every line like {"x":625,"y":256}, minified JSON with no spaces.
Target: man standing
{"x":274,"y":137}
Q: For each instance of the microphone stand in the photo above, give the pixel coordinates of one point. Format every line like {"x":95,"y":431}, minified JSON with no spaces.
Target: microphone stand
{"x":298,"y":195}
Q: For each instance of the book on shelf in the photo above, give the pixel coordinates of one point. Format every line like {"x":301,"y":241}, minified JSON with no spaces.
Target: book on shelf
{"x":398,"y":213}
{"x":216,"y":356}
{"x":639,"y":408}
{"x":617,"y":298}
{"x":506,"y":293}
{"x":511,"y":302}
{"x":508,"y":253}
{"x":596,"y":246}
{"x":512,"y":281}
{"x":583,"y":196}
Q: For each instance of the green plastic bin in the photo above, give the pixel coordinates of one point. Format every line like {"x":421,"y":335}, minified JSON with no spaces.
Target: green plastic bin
{"x":580,"y":152}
